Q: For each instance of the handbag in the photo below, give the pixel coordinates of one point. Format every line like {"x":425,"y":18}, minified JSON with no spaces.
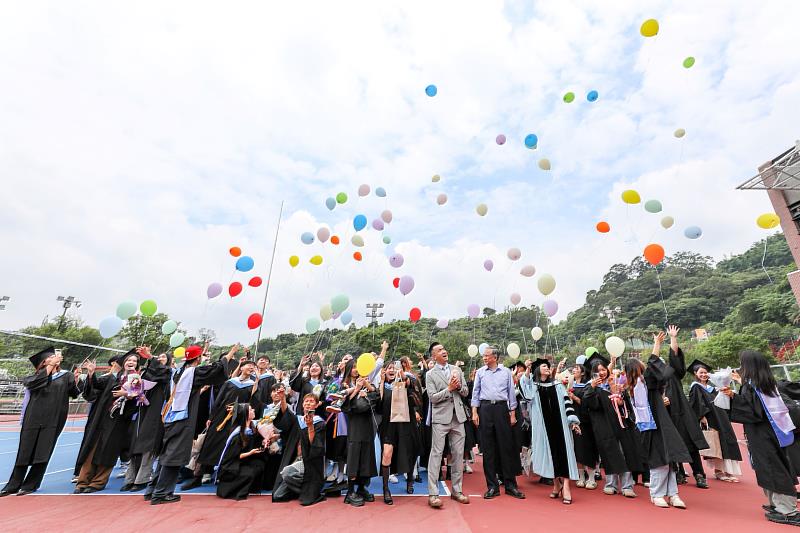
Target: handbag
{"x":197,"y":445}
{"x":399,"y":411}
{"x":714,"y":450}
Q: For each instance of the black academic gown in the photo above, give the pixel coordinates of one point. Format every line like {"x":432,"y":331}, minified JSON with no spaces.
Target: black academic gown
{"x":313,"y":455}
{"x":147,"y":428}
{"x":402,"y":435}
{"x":236,"y":478}
{"x":361,"y":429}
{"x":664,"y":444}
{"x":791,"y":391}
{"x":302,"y":386}
{"x":553,"y":425}
{"x":230,"y":393}
{"x":585,"y":448}
{"x":774,"y":471}
{"x":619,"y":447}
{"x":702,"y":403}
{"x":90,"y":396}
{"x":683,"y":417}
{"x":263,"y":395}
{"x":45,"y":415}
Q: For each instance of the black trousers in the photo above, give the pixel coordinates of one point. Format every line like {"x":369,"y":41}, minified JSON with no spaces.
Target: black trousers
{"x":497,"y":444}
{"x":696,"y":464}
{"x":31,"y":482}
{"x":164,"y":482}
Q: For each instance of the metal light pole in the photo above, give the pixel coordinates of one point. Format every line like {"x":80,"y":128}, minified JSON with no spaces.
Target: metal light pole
{"x":374,"y":315}
{"x":611,"y":315}
{"x":67,"y":302}
{"x":4,"y":299}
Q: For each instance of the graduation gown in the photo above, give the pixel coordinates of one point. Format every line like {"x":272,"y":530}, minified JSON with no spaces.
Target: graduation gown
{"x":303,"y":386}
{"x":585,"y":448}
{"x":147,"y":428}
{"x":263,"y":396}
{"x":402,"y":435}
{"x":236,"y":478}
{"x":45,"y":415}
{"x":702,"y":403}
{"x":682,"y":415}
{"x":663,"y":445}
{"x":313,"y":454}
{"x":233,"y":392}
{"x":361,"y":429}
{"x":619,"y":448}
{"x":791,"y":390}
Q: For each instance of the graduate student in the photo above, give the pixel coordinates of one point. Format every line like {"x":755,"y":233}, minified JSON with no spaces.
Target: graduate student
{"x":266,"y":379}
{"x":44,"y":414}
{"x":585,"y":448}
{"x":241,"y":467}
{"x":311,"y":381}
{"x":360,"y":405}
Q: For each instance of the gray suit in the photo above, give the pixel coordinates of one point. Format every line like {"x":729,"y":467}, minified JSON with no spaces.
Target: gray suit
{"x":447,"y":419}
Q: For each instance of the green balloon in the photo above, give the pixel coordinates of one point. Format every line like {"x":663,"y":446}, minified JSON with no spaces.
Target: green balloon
{"x":341,"y":198}
{"x":569,"y":97}
{"x":312,"y":325}
{"x":125,"y":310}
{"x":148,"y":308}
{"x":590,"y":351}
{"x":688,"y":62}
{"x":169,"y":327}
{"x":652,"y":206}
{"x":387,"y":239}
{"x":339,"y":303}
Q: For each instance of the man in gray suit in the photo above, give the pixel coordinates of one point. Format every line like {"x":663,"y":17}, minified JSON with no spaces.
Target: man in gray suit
{"x":446,"y":385}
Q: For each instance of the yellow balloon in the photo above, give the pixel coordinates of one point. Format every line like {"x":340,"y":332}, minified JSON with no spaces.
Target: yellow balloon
{"x":294,"y":261}
{"x":768,"y":221}
{"x":631,"y":197}
{"x":649,"y":28}
{"x":544,"y":164}
{"x":179,"y":352}
{"x":365,"y":364}
{"x":679,"y":133}
{"x":316,"y":260}
{"x":482,"y":209}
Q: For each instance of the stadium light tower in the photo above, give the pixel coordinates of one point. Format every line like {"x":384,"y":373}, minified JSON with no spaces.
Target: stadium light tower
{"x":66,"y":303}
{"x":4,"y":299}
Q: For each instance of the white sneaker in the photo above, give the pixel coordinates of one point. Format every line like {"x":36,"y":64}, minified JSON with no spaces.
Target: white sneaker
{"x":628,"y":493}
{"x":467,"y":468}
{"x":609,"y":490}
{"x":591,"y":484}
{"x":392,"y":478}
{"x":206,"y":479}
{"x":580,"y":483}
{"x":677,"y":502}
{"x":659,"y":502}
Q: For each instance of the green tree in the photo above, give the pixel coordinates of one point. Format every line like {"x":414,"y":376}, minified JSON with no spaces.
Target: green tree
{"x":146,"y":330}
{"x":722,"y":350}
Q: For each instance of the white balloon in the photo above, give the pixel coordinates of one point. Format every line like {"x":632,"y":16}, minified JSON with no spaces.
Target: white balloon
{"x":514,"y":254}
{"x":528,"y":271}
{"x":482,"y":209}
{"x":472,"y":350}
{"x":537,"y":333}
{"x":513,"y":350}
{"x":482,"y":348}
{"x":357,"y":240}
{"x":615,"y":346}
{"x":516,"y":298}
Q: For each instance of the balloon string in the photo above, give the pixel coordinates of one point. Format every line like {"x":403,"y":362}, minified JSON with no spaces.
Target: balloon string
{"x":506,"y":329}
{"x":763,"y":258}
{"x":525,"y":340}
{"x":661,"y":292}
{"x":394,"y":348}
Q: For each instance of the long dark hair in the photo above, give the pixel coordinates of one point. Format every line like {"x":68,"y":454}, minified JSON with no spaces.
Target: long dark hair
{"x":634,"y":369}
{"x":347,"y":381}
{"x":755,"y":369}
{"x":242,"y":414}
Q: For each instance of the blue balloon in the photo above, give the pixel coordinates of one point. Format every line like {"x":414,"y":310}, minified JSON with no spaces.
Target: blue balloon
{"x":346,"y":317}
{"x":380,"y":192}
{"x":245,"y":263}
{"x":531,"y":140}
{"x":693,"y":232}
{"x":592,"y":96}
{"x":431,"y":90}
{"x":110,"y":326}
{"x":307,"y":237}
{"x":482,"y":348}
{"x":330,"y":203}
{"x":360,"y":222}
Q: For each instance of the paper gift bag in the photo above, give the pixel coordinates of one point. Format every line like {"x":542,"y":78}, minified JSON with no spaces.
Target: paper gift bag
{"x":399,"y":411}
{"x":714,"y":450}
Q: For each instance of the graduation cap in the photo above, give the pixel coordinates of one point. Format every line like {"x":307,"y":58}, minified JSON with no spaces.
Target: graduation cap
{"x":120,"y":360}
{"x":696,"y":365}
{"x":37,"y":358}
{"x":515,"y":364}
{"x":539,"y":362}
{"x":192,"y":353}
{"x":595,"y":359}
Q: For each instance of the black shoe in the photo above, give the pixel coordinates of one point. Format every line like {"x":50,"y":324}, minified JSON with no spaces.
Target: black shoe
{"x":700,"y":479}
{"x":77,"y":491}
{"x":148,"y":496}
{"x":23,"y":492}
{"x":4,"y":493}
{"x":597,"y":475}
{"x":169,"y":498}
{"x":769,"y":508}
{"x":680,"y":478}
{"x":417,"y":479}
{"x":515,"y":493}
{"x":778,"y":518}
{"x":89,"y":490}
{"x":136,"y":487}
{"x":354,"y":499}
{"x":409,"y":487}
{"x":365,"y":495}
{"x":387,"y":498}
{"x":192,"y":484}
{"x":320,"y":498}
{"x":126,"y":487}
{"x":491,"y":493}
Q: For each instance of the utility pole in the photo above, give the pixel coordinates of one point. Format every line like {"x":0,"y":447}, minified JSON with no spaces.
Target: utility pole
{"x":374,"y":315}
{"x":611,"y":315}
{"x":67,"y":302}
{"x":2,"y":300}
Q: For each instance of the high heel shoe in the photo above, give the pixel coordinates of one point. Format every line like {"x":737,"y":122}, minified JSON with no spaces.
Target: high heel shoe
{"x":409,"y":487}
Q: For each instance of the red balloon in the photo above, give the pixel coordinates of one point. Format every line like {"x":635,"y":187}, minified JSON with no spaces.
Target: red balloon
{"x":603,"y":227}
{"x":396,"y":282}
{"x":357,"y":256}
{"x":654,"y":253}
{"x":255,"y":282}
{"x":415,"y":314}
{"x":235,"y":289}
{"x":235,"y":251}
{"x":334,"y":240}
{"x":254,"y":321}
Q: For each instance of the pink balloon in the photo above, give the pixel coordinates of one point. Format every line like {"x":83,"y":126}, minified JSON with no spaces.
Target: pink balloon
{"x":442,"y":323}
{"x":386,"y":216}
{"x":323,"y":234}
{"x":363,"y":190}
{"x":396,"y":260}
{"x":550,"y":307}
{"x":377,"y":224}
{"x":406,"y":285}
{"x":488,"y":265}
{"x":214,"y":290}
{"x":441,"y":199}
{"x":473,"y":310}
{"x":516,"y":299}
{"x":500,"y":139}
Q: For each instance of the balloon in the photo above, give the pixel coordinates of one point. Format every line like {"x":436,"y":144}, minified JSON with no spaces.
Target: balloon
{"x":631,"y":197}
{"x":339,"y":303}
{"x":110,"y":326}
{"x":768,"y":221}
{"x":500,"y":139}
{"x":482,"y":348}
{"x":363,"y":190}
{"x":590,"y":351}
{"x":436,"y":178}
{"x":652,"y":206}
{"x":346,"y":317}
{"x":615,"y":346}
{"x":294,"y":261}
{"x":316,"y":260}
{"x":514,"y":254}
{"x":591,"y":96}
{"x":472,"y":350}
{"x":357,"y":240}
{"x":482,"y":209}
{"x":380,"y":192}
{"x":169,"y":327}
{"x":377,"y":224}
{"x":176,"y":339}
{"x":667,"y":222}
{"x":330,"y":203}
{"x":488,"y":265}
{"x":515,"y":298}
{"x":544,"y":164}
{"x":688,"y":62}
{"x":654,"y":253}
{"x":386,"y":216}
{"x":513,"y":350}
{"x":396,"y":260}
{"x":406,"y":285}
{"x":546,"y":284}
{"x":649,"y":28}
{"x":323,"y":234}
{"x":341,"y":198}
{"x":307,"y":237}
{"x":603,"y":227}
{"x":693,"y":232}
{"x":441,"y":199}
{"x":415,"y":314}
{"x":365,"y":364}
{"x":325,"y":312}
{"x":235,"y":289}
{"x":473,"y":310}
{"x":125,"y":310}
{"x":387,"y":239}
{"x":148,"y":307}
{"x":442,"y":323}
{"x":179,"y":352}
{"x":680,"y":132}
{"x":359,"y":222}
{"x":312,"y":325}
{"x":246,"y":263}
{"x":357,"y":256}
{"x":550,"y":307}
{"x":537,"y":333}
{"x":431,"y":90}
{"x":335,"y":240}
{"x":528,"y":271}
{"x":254,"y":320}
{"x":235,"y":251}
{"x":569,"y":97}
{"x":531,"y":141}
{"x":255,"y":281}
{"x":396,"y":282}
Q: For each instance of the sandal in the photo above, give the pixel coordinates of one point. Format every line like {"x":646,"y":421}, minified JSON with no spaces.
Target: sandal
{"x":567,"y":501}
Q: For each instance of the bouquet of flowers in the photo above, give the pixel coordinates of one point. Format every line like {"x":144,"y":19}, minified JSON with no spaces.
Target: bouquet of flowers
{"x":266,"y":428}
{"x":721,"y":379}
{"x":618,"y":383}
{"x":334,"y":396}
{"x":134,"y":387}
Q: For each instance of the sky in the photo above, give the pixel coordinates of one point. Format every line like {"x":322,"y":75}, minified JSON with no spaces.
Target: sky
{"x":140,"y":141}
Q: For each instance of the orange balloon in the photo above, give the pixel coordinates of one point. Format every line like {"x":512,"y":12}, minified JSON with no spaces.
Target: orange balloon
{"x":603,"y":227}
{"x":357,"y":256}
{"x":235,"y":251}
{"x":654,"y":254}
{"x":334,"y":240}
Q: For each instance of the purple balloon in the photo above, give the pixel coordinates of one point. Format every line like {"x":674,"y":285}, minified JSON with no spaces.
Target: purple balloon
{"x":377,"y":224}
{"x":396,"y":260}
{"x":442,"y":323}
{"x":214,"y":290}
{"x":473,"y":310}
{"x":500,"y":139}
{"x":550,"y":307}
{"x":406,"y":285}
{"x":488,"y":265}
